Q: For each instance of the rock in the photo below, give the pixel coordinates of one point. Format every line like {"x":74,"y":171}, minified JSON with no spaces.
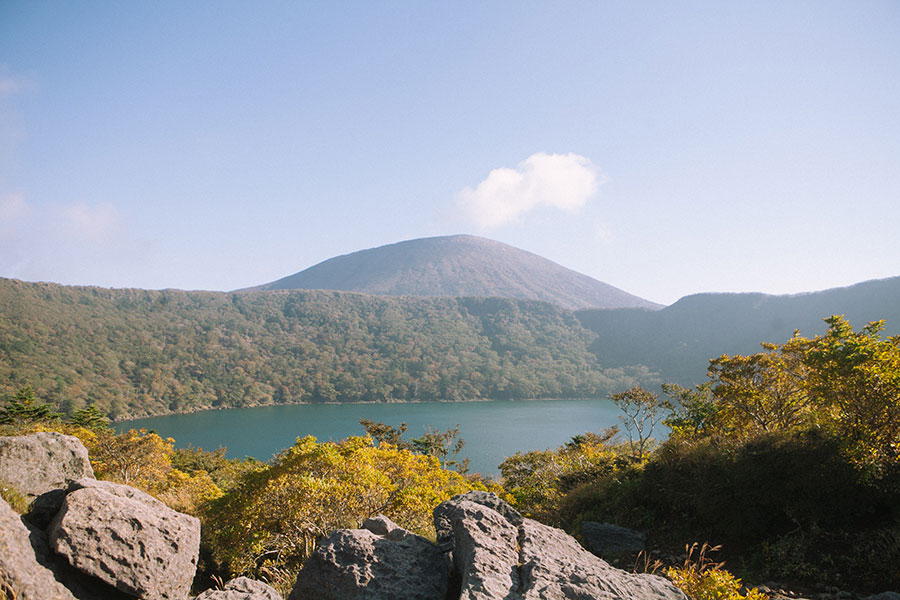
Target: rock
{"x":610,"y":541}
{"x":128,"y":539}
{"x":242,"y":588}
{"x":484,"y":545}
{"x":500,"y":558}
{"x":41,"y":462}
{"x":383,"y":526}
{"x":44,"y":508}
{"x":117,"y":489}
{"x":555,"y":566}
{"x":24,"y":571}
{"x":884,"y":596}
{"x":361,"y":564}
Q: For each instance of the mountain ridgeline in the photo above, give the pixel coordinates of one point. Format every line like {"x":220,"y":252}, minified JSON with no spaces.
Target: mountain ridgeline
{"x":679,"y":340}
{"x":424,"y":330}
{"x":459,"y":265}
{"x":138,"y":353}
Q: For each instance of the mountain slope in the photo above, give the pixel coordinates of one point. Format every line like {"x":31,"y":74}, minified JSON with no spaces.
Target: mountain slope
{"x":679,"y":340}
{"x":139,"y":352}
{"x":458,"y":265}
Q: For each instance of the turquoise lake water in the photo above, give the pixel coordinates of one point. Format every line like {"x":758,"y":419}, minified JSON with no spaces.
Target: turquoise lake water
{"x":491,"y":430}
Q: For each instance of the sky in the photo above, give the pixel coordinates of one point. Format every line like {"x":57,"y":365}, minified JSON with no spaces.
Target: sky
{"x":665,"y":148}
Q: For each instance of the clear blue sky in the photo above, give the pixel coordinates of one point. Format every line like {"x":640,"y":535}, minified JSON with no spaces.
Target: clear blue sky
{"x":666,"y":148}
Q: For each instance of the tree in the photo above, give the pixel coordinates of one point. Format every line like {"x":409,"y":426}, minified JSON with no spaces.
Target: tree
{"x":90,"y":417}
{"x":692,"y":412}
{"x":855,"y":379}
{"x":443,"y":445}
{"x":382,"y":432}
{"x":23,"y":407}
{"x":137,"y":457}
{"x":642,"y":411}
{"x":763,"y":392}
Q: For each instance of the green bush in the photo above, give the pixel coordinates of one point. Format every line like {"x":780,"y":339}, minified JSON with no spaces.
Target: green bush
{"x":791,"y":504}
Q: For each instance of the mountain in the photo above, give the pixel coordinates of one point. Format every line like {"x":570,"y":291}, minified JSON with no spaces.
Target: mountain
{"x":679,"y":340}
{"x":138,"y":353}
{"x":457,"y":266}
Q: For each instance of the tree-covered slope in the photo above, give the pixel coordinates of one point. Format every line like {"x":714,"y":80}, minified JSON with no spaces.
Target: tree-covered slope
{"x":137,"y":352}
{"x":458,"y":265}
{"x":679,"y":340}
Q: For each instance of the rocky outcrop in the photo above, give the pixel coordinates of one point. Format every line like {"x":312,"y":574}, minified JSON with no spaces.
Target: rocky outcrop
{"x":381,"y":562}
{"x":555,"y":566}
{"x":499,"y":555}
{"x":41,"y":462}
{"x":128,"y":539}
{"x":494,"y":554}
{"x":106,"y":541}
{"x":484,"y":548}
{"x":242,"y":588}
{"x":24,"y":571}
{"x":610,"y":541}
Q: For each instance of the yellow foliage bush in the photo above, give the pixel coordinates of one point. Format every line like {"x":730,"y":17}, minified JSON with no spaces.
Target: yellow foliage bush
{"x":189,"y":492}
{"x":538,"y":481}
{"x":703,"y":579}
{"x":311,"y":489}
{"x":137,"y":457}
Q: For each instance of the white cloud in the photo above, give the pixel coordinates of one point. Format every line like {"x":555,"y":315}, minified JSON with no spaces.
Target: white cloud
{"x":13,"y":208}
{"x":92,"y":223}
{"x":562,"y":181}
{"x":9,"y":86}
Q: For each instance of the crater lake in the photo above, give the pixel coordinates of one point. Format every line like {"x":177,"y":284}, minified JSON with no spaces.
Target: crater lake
{"x":492,"y":430}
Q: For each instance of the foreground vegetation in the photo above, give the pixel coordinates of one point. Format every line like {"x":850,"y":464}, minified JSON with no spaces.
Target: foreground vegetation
{"x":137,"y":353}
{"x":789,"y":459}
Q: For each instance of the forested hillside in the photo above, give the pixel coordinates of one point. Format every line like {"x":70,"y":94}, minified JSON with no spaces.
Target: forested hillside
{"x":137,"y":352}
{"x":679,"y":340}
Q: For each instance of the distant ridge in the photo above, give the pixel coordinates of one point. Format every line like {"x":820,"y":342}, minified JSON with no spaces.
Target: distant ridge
{"x":459,"y":266}
{"x":679,"y":340}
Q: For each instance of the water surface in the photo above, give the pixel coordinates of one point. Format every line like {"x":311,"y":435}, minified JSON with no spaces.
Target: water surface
{"x":492,"y":430}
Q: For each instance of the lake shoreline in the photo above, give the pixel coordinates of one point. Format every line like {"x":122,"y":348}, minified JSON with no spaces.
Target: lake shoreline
{"x":213,"y":409}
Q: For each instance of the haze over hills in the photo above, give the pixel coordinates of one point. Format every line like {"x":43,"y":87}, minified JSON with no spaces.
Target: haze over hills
{"x":140,"y":352}
{"x":459,"y":266}
{"x":679,"y":340}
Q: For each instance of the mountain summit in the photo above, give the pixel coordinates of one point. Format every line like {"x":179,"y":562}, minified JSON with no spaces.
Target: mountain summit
{"x":459,"y":265}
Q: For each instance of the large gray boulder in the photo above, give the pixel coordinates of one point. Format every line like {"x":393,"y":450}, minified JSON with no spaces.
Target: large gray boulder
{"x":242,"y":588}
{"x":392,"y":564}
{"x":128,"y":539}
{"x":484,"y":548}
{"x":555,"y":566}
{"x":610,"y":541}
{"x":40,"y":462}
{"x":25,"y":573}
{"x":496,"y":558}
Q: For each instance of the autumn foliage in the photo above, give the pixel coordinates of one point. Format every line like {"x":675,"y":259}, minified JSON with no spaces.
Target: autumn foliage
{"x":312,"y":488}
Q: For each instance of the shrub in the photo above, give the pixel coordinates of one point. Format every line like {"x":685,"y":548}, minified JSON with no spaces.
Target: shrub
{"x":537,"y":481}
{"x":272,"y":520}
{"x":16,"y":500}
{"x":703,"y":579}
